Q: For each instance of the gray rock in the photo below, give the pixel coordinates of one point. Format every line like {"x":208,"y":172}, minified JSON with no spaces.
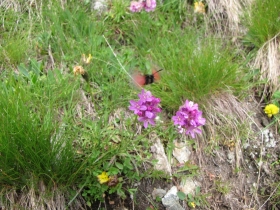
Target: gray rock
{"x":159,"y":154}
{"x":171,"y":200}
{"x":100,"y":6}
{"x":230,"y":157}
{"x":189,"y":185}
{"x":181,"y":152}
{"x":158,"y":193}
{"x":171,"y":203}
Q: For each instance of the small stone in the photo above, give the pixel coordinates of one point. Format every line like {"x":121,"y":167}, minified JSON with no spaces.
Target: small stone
{"x":137,"y":184}
{"x":189,"y":185}
{"x":100,"y":6}
{"x":171,"y":203}
{"x":181,"y":152}
{"x":159,"y":155}
{"x":265,"y":132}
{"x":230,"y":157}
{"x":171,"y":200}
{"x":246,"y":145}
{"x":266,"y":139}
{"x":168,"y":201}
{"x":252,"y":155}
{"x":173,"y":191}
{"x":153,"y":149}
{"x":158,"y":193}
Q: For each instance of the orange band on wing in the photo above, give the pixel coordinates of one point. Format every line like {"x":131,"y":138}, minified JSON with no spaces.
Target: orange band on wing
{"x":156,"y":75}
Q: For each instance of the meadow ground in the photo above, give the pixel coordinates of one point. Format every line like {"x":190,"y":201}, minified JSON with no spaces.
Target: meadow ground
{"x":87,"y":122}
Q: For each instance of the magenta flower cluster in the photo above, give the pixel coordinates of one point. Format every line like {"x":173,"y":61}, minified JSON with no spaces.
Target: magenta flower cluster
{"x":146,"y":107}
{"x":188,"y":119}
{"x":148,"y":5}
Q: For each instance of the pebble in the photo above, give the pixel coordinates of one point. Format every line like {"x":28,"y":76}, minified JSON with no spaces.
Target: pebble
{"x":158,"y":153}
{"x":181,"y":152}
{"x":158,"y":193}
{"x":230,"y":157}
{"x":171,"y":200}
{"x":171,"y":203}
{"x":189,"y":185}
{"x":100,"y":6}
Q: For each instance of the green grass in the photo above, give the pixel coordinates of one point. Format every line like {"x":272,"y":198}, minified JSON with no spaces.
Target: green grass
{"x":263,"y":22}
{"x":197,"y":69}
{"x":43,"y":134}
{"x":34,"y":141}
{"x":14,"y":41}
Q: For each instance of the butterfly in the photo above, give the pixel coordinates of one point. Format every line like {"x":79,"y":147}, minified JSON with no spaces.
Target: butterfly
{"x":146,"y":79}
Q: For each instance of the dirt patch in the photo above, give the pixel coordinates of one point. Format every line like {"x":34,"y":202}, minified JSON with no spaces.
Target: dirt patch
{"x":234,"y":174}
{"x":240,"y":174}
{"x":142,"y":199}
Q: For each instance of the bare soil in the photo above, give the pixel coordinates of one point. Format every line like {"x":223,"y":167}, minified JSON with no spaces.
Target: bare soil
{"x":235,"y":176}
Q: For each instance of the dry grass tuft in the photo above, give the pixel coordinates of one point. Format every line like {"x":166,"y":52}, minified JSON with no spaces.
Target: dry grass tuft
{"x":31,"y":6}
{"x":39,"y":198}
{"x":227,"y":122}
{"x":85,"y":108}
{"x":225,"y":106}
{"x":124,"y":114}
{"x":231,"y":121}
{"x":268,"y":61}
{"x":225,"y":15}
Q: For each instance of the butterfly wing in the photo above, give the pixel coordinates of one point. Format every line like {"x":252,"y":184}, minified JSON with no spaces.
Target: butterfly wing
{"x":139,"y":78}
{"x":156,"y":74}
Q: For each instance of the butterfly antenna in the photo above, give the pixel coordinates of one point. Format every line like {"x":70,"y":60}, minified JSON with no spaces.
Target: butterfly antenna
{"x":157,"y":71}
{"x":120,"y":62}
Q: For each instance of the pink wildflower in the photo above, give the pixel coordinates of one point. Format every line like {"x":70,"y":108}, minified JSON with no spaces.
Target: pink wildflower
{"x":136,"y":6}
{"x":150,"y":5}
{"x":146,"y":107}
{"x":189,"y":118}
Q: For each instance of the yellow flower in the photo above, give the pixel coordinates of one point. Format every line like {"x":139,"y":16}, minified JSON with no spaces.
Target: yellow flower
{"x":79,"y":70}
{"x":271,"y":109}
{"x":192,"y":205}
{"x":199,"y":7}
{"x":103,"y":177}
{"x":86,"y":59}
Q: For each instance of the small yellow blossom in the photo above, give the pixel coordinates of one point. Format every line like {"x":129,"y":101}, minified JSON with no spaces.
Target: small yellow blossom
{"x":85,"y":59}
{"x":192,"y":205}
{"x":271,"y":109}
{"x":79,"y":70}
{"x":199,"y":7}
{"x":103,"y":177}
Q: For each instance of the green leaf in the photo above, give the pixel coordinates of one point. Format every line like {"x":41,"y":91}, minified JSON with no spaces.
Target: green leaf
{"x":132,"y":191}
{"x":35,"y":67}
{"x":113,"y":170}
{"x":181,"y":195}
{"x":88,"y":203}
{"x":22,"y":69}
{"x":276,"y":95}
{"x":128,"y":164}
{"x":197,"y":190}
{"x":119,"y":165}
